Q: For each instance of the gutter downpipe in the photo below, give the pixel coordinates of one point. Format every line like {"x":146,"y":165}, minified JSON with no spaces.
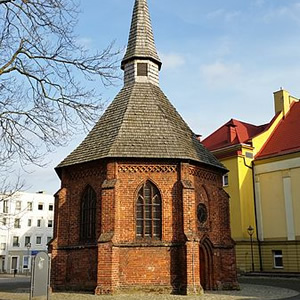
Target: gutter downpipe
{"x":255,"y":212}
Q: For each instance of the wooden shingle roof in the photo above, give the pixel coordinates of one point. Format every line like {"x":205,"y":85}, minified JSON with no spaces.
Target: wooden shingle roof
{"x":141,"y":41}
{"x":141,"y":123}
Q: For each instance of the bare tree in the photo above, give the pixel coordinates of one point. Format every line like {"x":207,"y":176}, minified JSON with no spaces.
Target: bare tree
{"x":43,"y":73}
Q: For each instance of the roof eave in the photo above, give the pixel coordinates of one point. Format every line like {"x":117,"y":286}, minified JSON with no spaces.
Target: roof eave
{"x":132,"y":58}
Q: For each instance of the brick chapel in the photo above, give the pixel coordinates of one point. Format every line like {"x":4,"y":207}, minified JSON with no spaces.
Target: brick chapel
{"x":141,"y":204}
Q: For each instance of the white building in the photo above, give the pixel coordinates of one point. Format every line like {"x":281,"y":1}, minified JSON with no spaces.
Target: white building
{"x":26,"y":226}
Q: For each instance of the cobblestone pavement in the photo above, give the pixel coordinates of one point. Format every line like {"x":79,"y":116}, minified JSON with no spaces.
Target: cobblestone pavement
{"x":251,"y":289}
{"x":247,"y":292}
{"x":289,"y":283}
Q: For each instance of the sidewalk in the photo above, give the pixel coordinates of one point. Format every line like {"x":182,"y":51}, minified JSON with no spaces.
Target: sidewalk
{"x":272,"y":274}
{"x":247,"y":292}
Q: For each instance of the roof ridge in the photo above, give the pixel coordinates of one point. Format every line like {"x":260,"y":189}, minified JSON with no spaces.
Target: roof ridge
{"x":274,"y":132}
{"x":247,"y":123}
{"x":122,"y":123}
{"x":269,"y":138}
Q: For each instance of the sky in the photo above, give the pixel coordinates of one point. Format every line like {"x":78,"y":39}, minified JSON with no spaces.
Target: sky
{"x":221,"y":60}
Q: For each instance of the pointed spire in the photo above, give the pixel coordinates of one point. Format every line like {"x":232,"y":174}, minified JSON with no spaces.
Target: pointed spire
{"x":141,"y":43}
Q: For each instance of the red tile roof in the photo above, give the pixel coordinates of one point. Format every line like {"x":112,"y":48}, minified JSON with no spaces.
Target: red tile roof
{"x":286,"y":137}
{"x":232,"y":133}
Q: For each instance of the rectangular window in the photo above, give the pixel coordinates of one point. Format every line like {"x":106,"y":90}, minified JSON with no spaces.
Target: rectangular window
{"x":5,"y":206}
{"x":38,"y":240}
{"x":4,"y":221}
{"x":49,"y":238}
{"x":17,"y":223}
{"x":29,"y":206}
{"x":16,"y":241}
{"x":26,"y":262}
{"x":225,"y":180}
{"x":27,"y":240}
{"x":18,"y":205}
{"x":40,"y":206}
{"x":29,"y":223}
{"x":50,"y":223}
{"x":14,"y":263}
{"x":142,"y":69}
{"x":50,"y":207}
{"x":249,"y":155}
{"x":39,"y":223}
{"x":2,"y":244}
{"x":277,"y":259}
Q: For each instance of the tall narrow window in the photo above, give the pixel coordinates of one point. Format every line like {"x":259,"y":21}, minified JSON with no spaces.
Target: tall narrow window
{"x":277,"y":259}
{"x":29,"y":206}
{"x":148,"y":212}
{"x":17,"y":223}
{"x":5,"y":206}
{"x":18,"y":205}
{"x":88,"y":216}
{"x":16,"y":241}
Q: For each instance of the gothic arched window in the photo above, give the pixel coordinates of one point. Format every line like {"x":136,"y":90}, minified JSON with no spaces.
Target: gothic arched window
{"x":148,"y":212}
{"x":88,"y":215}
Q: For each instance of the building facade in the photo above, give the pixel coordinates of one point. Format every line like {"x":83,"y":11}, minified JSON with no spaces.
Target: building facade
{"x":277,"y":174}
{"x":26,"y":226}
{"x":257,"y":199}
{"x":141,"y":204}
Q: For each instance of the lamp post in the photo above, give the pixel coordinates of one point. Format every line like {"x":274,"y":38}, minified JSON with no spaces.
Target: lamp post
{"x":250,"y":231}
{"x":28,"y":251}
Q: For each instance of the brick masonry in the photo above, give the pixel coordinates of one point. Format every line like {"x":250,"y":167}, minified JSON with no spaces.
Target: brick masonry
{"x":190,"y":256}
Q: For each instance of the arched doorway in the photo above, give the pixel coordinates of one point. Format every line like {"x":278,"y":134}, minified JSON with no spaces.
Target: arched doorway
{"x":206,"y":264}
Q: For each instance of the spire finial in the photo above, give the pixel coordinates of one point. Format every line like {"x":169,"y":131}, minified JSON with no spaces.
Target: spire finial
{"x":141,"y":43}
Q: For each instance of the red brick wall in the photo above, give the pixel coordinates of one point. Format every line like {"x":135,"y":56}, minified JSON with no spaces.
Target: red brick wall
{"x":124,"y":261}
{"x":75,"y":265}
{"x":131,"y":176}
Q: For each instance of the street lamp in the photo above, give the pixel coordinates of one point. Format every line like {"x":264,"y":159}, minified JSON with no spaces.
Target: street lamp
{"x":250,"y":231}
{"x":28,"y":251}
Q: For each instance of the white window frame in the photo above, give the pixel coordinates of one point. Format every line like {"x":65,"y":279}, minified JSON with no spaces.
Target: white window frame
{"x":277,"y":256}
{"x":18,"y":205}
{"x":38,"y":236}
{"x":18,"y":244}
{"x":225,"y":181}
{"x":18,"y":263}
{"x":23,"y":265}
{"x":27,"y":236}
{"x":39,"y":223}
{"x":5,"y":206}
{"x":50,"y":222}
{"x":29,"y":206}
{"x":17,"y":223}
{"x":42,"y":204}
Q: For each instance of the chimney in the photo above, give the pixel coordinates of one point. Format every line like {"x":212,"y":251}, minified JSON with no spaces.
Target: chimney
{"x":231,"y":132}
{"x":198,"y":137}
{"x":282,"y":101}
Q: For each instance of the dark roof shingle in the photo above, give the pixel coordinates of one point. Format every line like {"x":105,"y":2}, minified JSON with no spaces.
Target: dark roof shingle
{"x":141,"y":41}
{"x":141,"y":123}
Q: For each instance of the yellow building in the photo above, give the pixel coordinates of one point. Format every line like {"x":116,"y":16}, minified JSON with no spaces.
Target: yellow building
{"x":243,"y":149}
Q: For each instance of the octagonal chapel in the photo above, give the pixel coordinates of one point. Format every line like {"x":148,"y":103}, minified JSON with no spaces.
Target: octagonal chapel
{"x":141,"y":204}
